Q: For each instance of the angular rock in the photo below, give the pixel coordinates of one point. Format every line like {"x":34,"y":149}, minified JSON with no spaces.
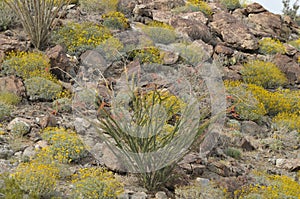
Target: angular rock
{"x":93,"y":59}
{"x":254,"y":8}
{"x":8,"y":44}
{"x":251,"y":128}
{"x":111,"y":160}
{"x":170,"y":57}
{"x":162,"y":16}
{"x":60,"y":63}
{"x":194,"y":29}
{"x":289,"y":67}
{"x":12,"y":84}
{"x":267,"y":24}
{"x":233,"y":32}
{"x":221,"y":49}
{"x":161,"y":195}
{"x":292,"y":165}
{"x":19,"y":126}
{"x":197,"y":16}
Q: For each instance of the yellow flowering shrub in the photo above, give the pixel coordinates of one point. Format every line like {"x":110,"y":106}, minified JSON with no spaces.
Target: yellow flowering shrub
{"x":264,"y":74}
{"x":146,"y":55}
{"x":160,"y":32}
{"x":9,"y":98}
{"x":202,"y":6}
{"x":289,"y":120}
{"x":65,"y":145}
{"x":78,"y":37}
{"x":278,"y":101}
{"x":27,"y":65}
{"x":115,"y":20}
{"x":271,"y":46}
{"x":295,"y":43}
{"x":96,"y":183}
{"x":244,"y":105}
{"x":275,"y":186}
{"x":36,"y":178}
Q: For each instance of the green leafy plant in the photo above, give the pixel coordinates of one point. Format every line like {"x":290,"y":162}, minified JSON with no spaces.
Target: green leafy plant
{"x":9,"y":188}
{"x":37,"y":17}
{"x":96,"y":183}
{"x":7,"y":17}
{"x":111,"y":49}
{"x":271,"y":46}
{"x":160,"y":32}
{"x":65,"y":146}
{"x":115,"y":20}
{"x":233,"y":152}
{"x":81,"y":37}
{"x":264,"y":74}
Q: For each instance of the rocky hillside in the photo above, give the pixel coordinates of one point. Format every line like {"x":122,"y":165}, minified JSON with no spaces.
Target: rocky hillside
{"x":69,"y":125}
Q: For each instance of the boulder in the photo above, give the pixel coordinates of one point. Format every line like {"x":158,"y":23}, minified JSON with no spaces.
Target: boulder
{"x":289,"y":67}
{"x":12,"y":84}
{"x":232,"y":31}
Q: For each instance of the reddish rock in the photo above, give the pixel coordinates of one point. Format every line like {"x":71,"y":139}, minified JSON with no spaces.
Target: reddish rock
{"x":221,"y":49}
{"x":12,"y":84}
{"x":254,"y":8}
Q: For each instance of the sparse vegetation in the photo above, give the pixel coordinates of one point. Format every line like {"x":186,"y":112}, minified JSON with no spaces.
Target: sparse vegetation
{"x":271,"y":46}
{"x":160,"y":32}
{"x":9,"y":98}
{"x":7,"y":17}
{"x":103,"y":6}
{"x":115,"y":21}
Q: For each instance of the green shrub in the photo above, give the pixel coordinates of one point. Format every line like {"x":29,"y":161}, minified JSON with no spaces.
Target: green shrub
{"x":5,"y":111}
{"x":264,"y":74}
{"x":96,"y":183}
{"x":187,"y":8}
{"x":81,"y":37}
{"x":160,"y":32}
{"x":272,"y":186}
{"x":271,"y":46}
{"x":9,"y":188}
{"x":115,"y":20}
{"x":38,"y":88}
{"x":36,"y":178}
{"x":62,"y":105}
{"x":9,"y":98}
{"x":190,"y":53}
{"x":37,"y":17}
{"x":289,"y":120}
{"x":27,"y":65}
{"x":19,"y":129}
{"x":7,"y":18}
{"x":103,"y":6}
{"x":146,"y":55}
{"x":245,"y":105}
{"x":233,"y":152}
{"x":65,"y":146}
{"x":231,"y":4}
{"x":111,"y":49}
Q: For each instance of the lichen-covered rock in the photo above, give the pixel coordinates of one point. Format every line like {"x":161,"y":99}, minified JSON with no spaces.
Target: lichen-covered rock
{"x":38,"y":88}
